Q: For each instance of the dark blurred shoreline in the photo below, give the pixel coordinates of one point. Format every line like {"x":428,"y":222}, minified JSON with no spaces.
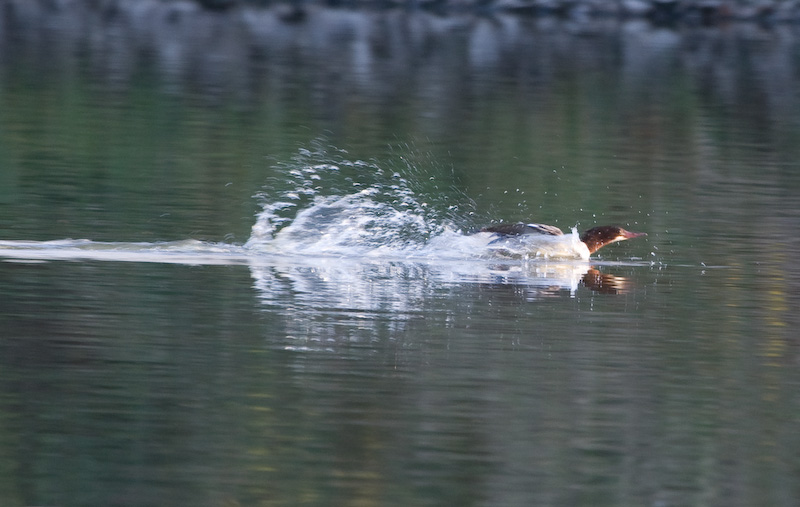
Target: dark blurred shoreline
{"x":705,"y":12}
{"x":367,"y":39}
{"x":658,"y":12}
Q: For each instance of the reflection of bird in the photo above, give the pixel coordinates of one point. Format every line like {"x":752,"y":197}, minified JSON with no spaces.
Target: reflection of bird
{"x":594,"y":238}
{"x":604,"y":283}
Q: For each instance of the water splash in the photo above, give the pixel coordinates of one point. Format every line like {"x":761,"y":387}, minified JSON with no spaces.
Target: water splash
{"x":329,"y":205}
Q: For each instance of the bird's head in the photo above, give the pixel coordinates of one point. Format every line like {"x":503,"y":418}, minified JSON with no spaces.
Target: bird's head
{"x":598,"y":237}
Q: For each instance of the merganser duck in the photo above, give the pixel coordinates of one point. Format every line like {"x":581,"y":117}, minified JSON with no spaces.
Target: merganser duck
{"x":594,"y":238}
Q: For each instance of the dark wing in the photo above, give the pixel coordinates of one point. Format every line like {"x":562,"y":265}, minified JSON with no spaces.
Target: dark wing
{"x":520,"y":229}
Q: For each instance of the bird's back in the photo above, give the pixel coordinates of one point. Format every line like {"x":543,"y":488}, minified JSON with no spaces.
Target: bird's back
{"x":520,"y":229}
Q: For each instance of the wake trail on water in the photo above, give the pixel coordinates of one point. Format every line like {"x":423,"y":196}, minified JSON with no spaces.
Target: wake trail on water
{"x":190,"y":252}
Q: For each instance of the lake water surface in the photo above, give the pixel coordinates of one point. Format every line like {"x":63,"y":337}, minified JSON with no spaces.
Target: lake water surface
{"x":238,"y":269}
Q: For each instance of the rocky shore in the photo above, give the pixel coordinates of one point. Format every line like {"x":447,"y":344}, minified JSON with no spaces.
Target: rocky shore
{"x":694,"y":11}
{"x":338,"y":50}
{"x":705,"y":12}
